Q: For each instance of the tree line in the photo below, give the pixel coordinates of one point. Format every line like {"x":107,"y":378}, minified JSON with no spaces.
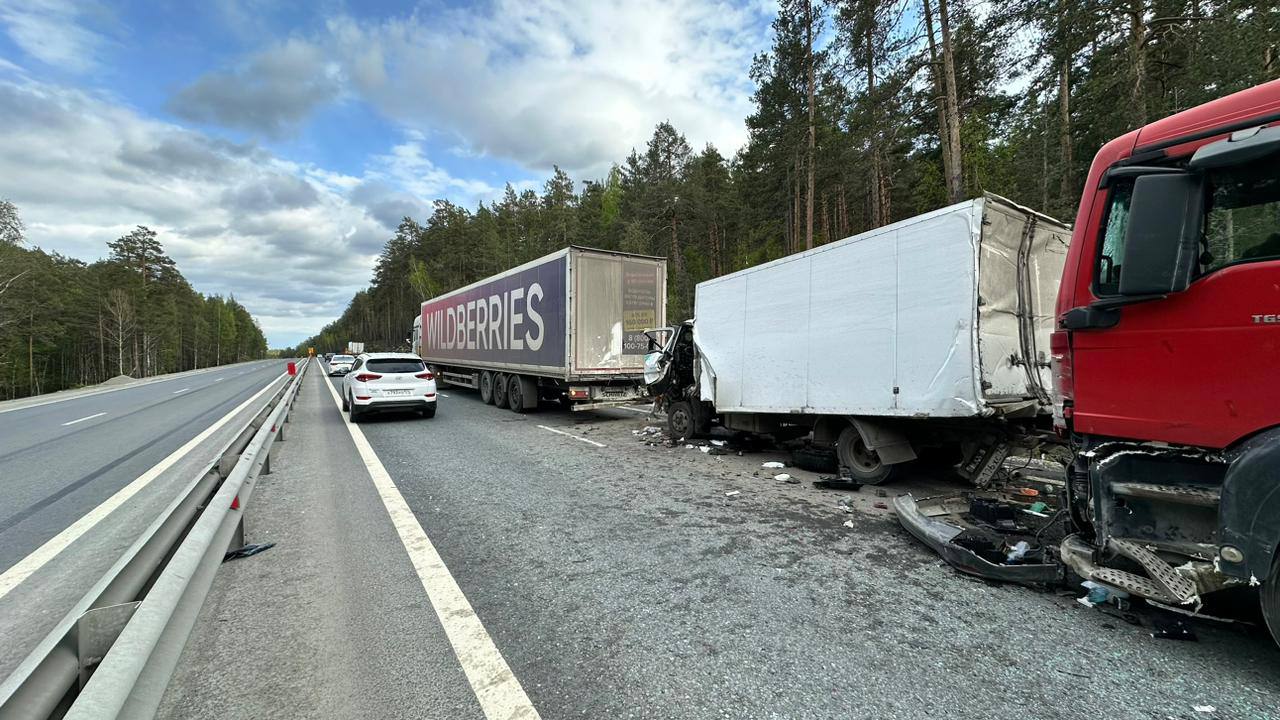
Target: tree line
{"x":865,"y":112}
{"x":66,"y":323}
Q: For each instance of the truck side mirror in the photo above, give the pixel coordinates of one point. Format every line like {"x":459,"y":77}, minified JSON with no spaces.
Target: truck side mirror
{"x":1162,"y":242}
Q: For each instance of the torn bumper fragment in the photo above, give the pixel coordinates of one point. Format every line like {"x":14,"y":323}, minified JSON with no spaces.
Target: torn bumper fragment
{"x":935,"y":522}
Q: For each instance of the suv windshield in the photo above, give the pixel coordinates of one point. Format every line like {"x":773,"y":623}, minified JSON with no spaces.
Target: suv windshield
{"x":395,"y":365}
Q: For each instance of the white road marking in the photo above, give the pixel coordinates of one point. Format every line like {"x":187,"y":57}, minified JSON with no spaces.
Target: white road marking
{"x":87,"y":417}
{"x":48,"y":551}
{"x":575,"y":437}
{"x":646,"y":411}
{"x":219,"y":379}
{"x":175,"y":392}
{"x":441,"y":394}
{"x":496,"y":687}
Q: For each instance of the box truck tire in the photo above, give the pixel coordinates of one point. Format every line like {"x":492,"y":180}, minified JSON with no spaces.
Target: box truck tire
{"x":500,"y":390}
{"x":522,"y":394}
{"x":486,"y":387}
{"x":862,"y":463}
{"x":1270,"y":593}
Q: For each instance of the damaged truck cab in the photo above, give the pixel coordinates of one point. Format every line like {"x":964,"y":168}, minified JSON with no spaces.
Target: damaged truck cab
{"x":1167,"y":355}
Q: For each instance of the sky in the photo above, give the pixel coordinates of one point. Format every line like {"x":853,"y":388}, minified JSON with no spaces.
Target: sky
{"x":275,"y":146}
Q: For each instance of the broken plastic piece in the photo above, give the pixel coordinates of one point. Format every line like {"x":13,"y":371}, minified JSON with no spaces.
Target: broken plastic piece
{"x":782,"y":477}
{"x":247,"y":551}
{"x":731,"y":493}
{"x":773,"y":465}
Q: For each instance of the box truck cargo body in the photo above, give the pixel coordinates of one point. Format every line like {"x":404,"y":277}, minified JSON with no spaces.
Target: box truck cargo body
{"x":567,"y":327}
{"x":935,"y":328}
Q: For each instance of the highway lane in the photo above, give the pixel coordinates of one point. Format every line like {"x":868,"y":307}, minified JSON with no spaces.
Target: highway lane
{"x":62,"y":460}
{"x":623,"y":580}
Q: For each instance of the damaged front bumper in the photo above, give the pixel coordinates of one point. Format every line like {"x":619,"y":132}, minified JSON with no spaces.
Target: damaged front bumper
{"x":927,"y":519}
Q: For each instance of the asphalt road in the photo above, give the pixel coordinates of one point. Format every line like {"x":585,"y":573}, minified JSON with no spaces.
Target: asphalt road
{"x":60,"y":460}
{"x":623,"y":580}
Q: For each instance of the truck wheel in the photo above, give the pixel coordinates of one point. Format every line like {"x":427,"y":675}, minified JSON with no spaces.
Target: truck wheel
{"x":681,"y":424}
{"x":1270,"y":594}
{"x":486,"y":387}
{"x":522,"y":394}
{"x":861,"y":462}
{"x":500,"y":390}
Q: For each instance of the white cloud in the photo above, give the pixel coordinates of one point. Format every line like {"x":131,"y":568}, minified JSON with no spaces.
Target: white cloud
{"x":576,"y":83}
{"x":292,"y":242}
{"x":52,"y":31}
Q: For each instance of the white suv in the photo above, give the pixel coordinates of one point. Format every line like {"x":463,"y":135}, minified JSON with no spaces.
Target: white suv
{"x":388,"y":381}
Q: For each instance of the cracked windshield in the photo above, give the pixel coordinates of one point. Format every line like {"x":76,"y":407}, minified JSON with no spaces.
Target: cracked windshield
{"x":506,"y":360}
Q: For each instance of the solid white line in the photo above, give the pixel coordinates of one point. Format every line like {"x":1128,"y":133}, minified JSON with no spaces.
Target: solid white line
{"x":575,"y":437}
{"x":48,"y":551}
{"x":441,"y":394}
{"x":175,"y":392}
{"x":87,"y":417}
{"x":496,"y":687}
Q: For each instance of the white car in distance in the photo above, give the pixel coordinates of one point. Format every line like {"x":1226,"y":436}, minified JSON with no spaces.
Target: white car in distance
{"x":388,"y":381}
{"x":341,"y":364}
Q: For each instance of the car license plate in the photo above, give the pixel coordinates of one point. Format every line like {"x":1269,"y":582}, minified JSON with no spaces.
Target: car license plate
{"x":396,"y":392}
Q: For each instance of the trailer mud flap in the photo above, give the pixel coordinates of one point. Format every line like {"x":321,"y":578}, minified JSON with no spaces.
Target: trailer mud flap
{"x":925,"y":520}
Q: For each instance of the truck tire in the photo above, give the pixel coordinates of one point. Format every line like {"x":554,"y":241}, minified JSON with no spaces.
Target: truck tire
{"x":1270,"y":596}
{"x":522,"y":394}
{"x":681,"y":422}
{"x":486,"y":387}
{"x":500,"y":390}
{"x":860,"y":462}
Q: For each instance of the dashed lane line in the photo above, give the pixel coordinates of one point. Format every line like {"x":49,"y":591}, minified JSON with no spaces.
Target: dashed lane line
{"x":575,"y":437}
{"x":500,"y":694}
{"x":87,"y":417}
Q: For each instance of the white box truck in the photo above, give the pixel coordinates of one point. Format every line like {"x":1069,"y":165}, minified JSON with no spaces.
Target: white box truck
{"x":932,"y":331}
{"x":568,"y":328}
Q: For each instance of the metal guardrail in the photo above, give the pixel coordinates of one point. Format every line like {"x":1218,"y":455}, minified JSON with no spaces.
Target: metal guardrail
{"x":113,"y":654}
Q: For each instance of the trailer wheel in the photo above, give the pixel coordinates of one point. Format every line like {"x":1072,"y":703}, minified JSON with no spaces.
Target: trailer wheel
{"x":1270,"y":595}
{"x":681,"y":424}
{"x":522,"y":394}
{"x":500,"y":390}
{"x":862,"y":463}
{"x":486,"y":387}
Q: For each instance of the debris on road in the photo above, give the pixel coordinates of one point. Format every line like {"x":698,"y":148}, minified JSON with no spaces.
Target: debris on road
{"x":849,"y":524}
{"x":837,"y":483}
{"x":881,"y":505}
{"x":783,"y":477}
{"x":986,"y":535}
{"x":773,"y":465}
{"x":731,"y":493}
{"x":247,"y":551}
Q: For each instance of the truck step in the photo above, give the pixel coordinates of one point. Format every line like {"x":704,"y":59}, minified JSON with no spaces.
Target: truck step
{"x":1181,"y":494}
{"x":1133,"y":584}
{"x":1182,"y":589}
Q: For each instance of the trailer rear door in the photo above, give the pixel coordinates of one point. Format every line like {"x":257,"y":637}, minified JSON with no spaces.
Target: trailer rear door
{"x":616,"y":298}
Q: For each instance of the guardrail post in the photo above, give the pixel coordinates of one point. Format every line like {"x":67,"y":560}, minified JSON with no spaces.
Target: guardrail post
{"x":237,"y":537}
{"x":266,"y":462}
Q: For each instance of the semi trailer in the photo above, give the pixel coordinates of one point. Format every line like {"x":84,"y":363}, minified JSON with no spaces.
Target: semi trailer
{"x":567,"y":328}
{"x":1166,"y":354}
{"x":930,"y":332}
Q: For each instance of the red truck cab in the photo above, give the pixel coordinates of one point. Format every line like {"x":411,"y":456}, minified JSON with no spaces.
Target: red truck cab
{"x":1167,"y":356}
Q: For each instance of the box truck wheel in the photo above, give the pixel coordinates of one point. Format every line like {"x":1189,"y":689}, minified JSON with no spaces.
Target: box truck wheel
{"x":862,"y":463}
{"x":500,"y":390}
{"x":486,"y":387}
{"x":1270,"y":593}
{"x":681,"y":424}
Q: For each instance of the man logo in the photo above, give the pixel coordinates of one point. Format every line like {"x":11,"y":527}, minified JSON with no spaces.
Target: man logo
{"x":1266,"y":319}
